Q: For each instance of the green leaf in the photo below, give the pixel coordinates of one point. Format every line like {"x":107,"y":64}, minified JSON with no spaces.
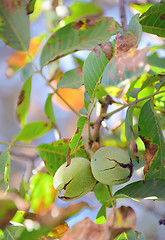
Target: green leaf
{"x":101,"y":192}
{"x":154,"y":142}
{"x":27,"y":71}
{"x":101,"y":92}
{"x":30,"y":6}
{"x":101,"y":216}
{"x":149,"y":81}
{"x":12,"y":232}
{"x":49,"y":110}
{"x":87,"y":100}
{"x":152,"y":20}
{"x":14,"y":25}
{"x":23,"y":188}
{"x":7,"y":211}
{"x":130,"y":235}
{"x":42,"y":192}
{"x":82,"y":35}
{"x":71,"y":79}
{"x":150,"y":188}
{"x":80,"y":10}
{"x":83,"y":111}
{"x":4,"y":170}
{"x":33,"y":130}
{"x":77,"y":135}
{"x":23,"y":102}
{"x":129,"y":133}
{"x":94,"y":67}
{"x":154,"y":60}
{"x":141,"y":8}
{"x":135,"y":27}
{"x":54,"y":154}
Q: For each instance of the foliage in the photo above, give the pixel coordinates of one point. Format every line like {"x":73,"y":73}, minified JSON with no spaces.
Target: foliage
{"x":115,"y":73}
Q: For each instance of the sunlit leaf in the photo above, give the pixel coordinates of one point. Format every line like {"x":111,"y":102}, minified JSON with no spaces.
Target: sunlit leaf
{"x":94,"y":67}
{"x":42,"y":192}
{"x":152,"y":20}
{"x":130,"y":235}
{"x":23,"y":102}
{"x":33,"y":130}
{"x":154,"y":142}
{"x":82,"y":9}
{"x":101,"y":215}
{"x":14,"y":24}
{"x":81,"y":35}
{"x":4,"y":170}
{"x":141,"y":7}
{"x":77,"y":135}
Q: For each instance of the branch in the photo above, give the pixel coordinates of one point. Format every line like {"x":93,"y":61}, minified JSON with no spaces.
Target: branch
{"x":96,"y":126}
{"x":123,"y":14}
{"x":106,"y":116}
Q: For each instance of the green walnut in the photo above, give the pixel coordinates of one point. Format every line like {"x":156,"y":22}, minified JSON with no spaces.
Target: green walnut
{"x":76,"y":179}
{"x":111,"y":165}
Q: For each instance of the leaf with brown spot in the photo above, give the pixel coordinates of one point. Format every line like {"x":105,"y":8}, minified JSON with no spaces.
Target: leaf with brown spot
{"x":150,"y":188}
{"x":55,"y":153}
{"x":86,"y":229}
{"x":42,"y":193}
{"x":23,"y":102}
{"x":14,"y":29}
{"x":150,"y":131}
{"x":124,"y":42}
{"x":81,"y":35}
{"x":33,"y":130}
{"x":77,"y":135}
{"x":129,"y":64}
{"x":121,"y":220}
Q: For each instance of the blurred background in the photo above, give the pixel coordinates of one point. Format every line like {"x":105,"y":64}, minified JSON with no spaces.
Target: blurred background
{"x":24,"y":161}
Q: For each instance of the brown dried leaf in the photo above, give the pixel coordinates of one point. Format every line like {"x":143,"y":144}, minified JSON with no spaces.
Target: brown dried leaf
{"x":87,"y":230}
{"x":106,"y":48}
{"x":124,"y":42}
{"x":131,"y":61}
{"x":121,"y":220}
{"x":150,"y":153}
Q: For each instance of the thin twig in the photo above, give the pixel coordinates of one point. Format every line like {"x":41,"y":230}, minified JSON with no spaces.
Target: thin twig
{"x":106,"y":116}
{"x":123,"y":14}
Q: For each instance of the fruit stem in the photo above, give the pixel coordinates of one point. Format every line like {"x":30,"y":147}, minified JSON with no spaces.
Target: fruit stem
{"x":111,"y":196}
